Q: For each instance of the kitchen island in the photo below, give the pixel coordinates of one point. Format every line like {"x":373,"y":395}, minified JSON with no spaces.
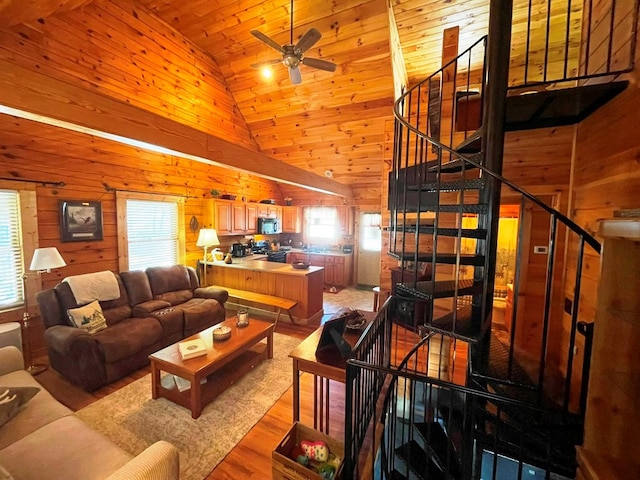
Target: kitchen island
{"x":255,"y":274}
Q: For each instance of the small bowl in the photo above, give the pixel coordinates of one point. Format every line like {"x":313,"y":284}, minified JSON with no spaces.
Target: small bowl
{"x":300,"y":265}
{"x":221,"y":333}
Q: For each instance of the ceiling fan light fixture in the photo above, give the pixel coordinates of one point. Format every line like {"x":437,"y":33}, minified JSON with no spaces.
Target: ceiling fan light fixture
{"x":293,"y":54}
{"x":266,"y":72}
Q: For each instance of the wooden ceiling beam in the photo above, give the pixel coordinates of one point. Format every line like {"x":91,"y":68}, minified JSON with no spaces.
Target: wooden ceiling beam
{"x":28,"y":94}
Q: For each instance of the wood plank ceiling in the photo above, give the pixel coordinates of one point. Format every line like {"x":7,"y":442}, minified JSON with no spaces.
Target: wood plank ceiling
{"x":331,"y":121}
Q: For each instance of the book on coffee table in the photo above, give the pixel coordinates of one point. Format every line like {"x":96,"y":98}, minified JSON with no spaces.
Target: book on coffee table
{"x":192,"y":348}
{"x":183,"y":384}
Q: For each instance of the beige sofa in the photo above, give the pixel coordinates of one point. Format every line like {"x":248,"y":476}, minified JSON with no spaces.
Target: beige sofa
{"x":45,"y":439}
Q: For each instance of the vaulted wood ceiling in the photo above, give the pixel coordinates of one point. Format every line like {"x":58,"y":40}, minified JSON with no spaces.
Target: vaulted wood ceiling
{"x":332,"y":121}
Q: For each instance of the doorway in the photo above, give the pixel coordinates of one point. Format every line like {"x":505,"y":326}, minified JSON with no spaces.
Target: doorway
{"x":369,"y":248}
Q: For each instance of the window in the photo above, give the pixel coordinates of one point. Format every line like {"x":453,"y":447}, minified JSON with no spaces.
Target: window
{"x":321,"y":224}
{"x":371,"y":232}
{"x":11,"y":252}
{"x":153,"y":234}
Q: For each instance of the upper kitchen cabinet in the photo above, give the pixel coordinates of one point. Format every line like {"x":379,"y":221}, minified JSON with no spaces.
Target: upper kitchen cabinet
{"x":271,"y":211}
{"x":345,"y":220}
{"x":291,"y":220}
{"x":229,"y":217}
{"x":252,"y":217}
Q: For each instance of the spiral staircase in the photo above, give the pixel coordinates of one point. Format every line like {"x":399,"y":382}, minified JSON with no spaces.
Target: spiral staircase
{"x":506,"y":418}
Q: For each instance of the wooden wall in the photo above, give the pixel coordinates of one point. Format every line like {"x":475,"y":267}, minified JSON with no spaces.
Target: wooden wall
{"x":94,"y":169}
{"x":131,"y":56}
{"x":606,"y":179}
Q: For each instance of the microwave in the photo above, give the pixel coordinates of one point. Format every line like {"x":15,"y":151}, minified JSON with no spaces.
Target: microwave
{"x":267,"y":226}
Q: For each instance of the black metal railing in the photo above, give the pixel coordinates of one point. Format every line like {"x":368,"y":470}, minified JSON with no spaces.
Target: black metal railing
{"x":561,"y":41}
{"x":363,"y":387}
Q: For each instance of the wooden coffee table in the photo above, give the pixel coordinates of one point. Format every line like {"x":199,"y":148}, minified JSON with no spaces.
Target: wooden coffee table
{"x":239,"y":354}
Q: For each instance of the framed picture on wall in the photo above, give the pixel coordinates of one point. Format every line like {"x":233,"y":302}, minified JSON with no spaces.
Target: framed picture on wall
{"x":80,"y":221}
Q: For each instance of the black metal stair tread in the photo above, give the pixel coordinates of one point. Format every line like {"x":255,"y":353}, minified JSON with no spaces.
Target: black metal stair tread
{"x":471,"y":144}
{"x":429,"y":290}
{"x":441,"y":447}
{"x":448,"y":258}
{"x":419,"y":461}
{"x":495,"y":366}
{"x":449,"y":208}
{"x":480,"y":233}
{"x":450,"y":186}
{"x":461,"y":325}
{"x":457,"y":165}
{"x":566,"y":106}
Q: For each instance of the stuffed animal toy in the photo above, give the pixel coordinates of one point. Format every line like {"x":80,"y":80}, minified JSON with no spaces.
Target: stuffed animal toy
{"x":317,"y":451}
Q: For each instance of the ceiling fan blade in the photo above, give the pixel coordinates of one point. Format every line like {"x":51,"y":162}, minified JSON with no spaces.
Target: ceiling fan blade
{"x":319,"y":64}
{"x":266,"y":62}
{"x":263,"y":38}
{"x":308,"y":40}
{"x":295,"y":76}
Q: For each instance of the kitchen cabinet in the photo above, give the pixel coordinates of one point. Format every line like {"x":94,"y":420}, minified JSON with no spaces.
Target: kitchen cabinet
{"x":229,"y":217}
{"x":291,"y":221}
{"x":334,"y":271}
{"x":337,"y":268}
{"x":345,"y":220}
{"x":252,"y":218}
{"x":271,"y":211}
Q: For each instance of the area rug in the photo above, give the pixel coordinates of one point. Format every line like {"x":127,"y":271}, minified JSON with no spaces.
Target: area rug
{"x":131,"y":419}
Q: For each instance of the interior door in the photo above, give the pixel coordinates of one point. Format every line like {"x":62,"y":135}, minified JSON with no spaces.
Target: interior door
{"x":369,"y":247}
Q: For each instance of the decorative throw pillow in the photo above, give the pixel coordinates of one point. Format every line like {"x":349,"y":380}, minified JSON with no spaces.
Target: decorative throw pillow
{"x":89,"y":317}
{"x":12,"y":398}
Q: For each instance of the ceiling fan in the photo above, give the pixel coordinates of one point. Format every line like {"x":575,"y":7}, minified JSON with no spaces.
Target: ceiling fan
{"x":293,"y":55}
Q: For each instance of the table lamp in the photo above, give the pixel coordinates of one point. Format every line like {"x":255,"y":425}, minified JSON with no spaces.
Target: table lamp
{"x":44,"y":259}
{"x":206,"y":238}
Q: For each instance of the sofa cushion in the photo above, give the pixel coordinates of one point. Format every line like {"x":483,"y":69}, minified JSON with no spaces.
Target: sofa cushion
{"x":88,"y":317}
{"x":168,"y":279}
{"x":200,"y":313}
{"x":41,"y":409}
{"x":12,"y":399}
{"x":138,"y":288}
{"x":128,"y":337}
{"x":118,"y":309}
{"x":65,"y":449}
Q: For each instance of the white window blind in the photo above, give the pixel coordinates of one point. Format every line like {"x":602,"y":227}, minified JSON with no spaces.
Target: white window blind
{"x":152,"y":231}
{"x":11,"y":255}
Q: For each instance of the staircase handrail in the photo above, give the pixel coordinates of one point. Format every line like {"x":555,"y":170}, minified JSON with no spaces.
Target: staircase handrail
{"x":397,"y":112}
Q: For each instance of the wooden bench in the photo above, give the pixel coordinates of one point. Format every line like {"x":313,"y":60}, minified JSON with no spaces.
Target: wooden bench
{"x":277,"y":302}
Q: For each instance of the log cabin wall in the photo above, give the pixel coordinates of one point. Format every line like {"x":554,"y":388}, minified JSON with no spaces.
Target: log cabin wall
{"x":131,"y":56}
{"x":606,"y":178}
{"x":94,"y":169}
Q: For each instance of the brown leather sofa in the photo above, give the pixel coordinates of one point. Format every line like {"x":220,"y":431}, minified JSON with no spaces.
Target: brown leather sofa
{"x":156,"y":307}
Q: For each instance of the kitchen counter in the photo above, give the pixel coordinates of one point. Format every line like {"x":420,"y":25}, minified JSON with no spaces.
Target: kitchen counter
{"x":260,"y":263}
{"x":333,"y":253}
{"x":255,"y":274}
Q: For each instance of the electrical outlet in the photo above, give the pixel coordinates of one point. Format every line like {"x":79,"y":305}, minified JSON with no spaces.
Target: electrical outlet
{"x":540,"y":249}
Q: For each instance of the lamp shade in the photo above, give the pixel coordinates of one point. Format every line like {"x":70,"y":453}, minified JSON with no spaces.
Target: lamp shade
{"x":207,"y":238}
{"x":46,"y":259}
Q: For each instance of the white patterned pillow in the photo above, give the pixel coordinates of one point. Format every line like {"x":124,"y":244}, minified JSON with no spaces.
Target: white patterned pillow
{"x":89,"y":317}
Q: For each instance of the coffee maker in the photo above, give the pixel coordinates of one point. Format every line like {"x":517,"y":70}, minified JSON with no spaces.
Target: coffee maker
{"x":238,"y":250}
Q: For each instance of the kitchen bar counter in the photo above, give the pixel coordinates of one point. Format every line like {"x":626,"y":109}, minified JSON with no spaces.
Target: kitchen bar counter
{"x":260,"y":263}
{"x":254,"y":274}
